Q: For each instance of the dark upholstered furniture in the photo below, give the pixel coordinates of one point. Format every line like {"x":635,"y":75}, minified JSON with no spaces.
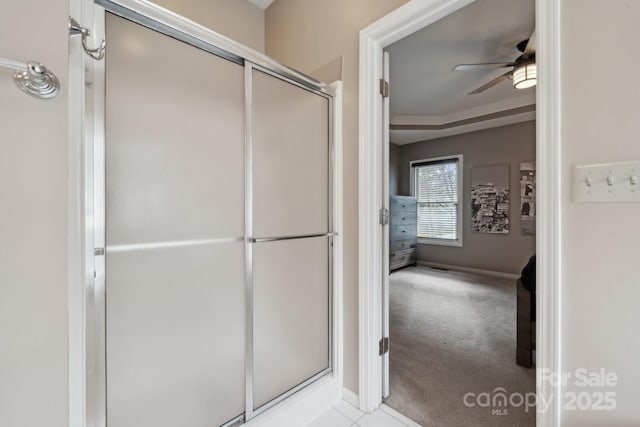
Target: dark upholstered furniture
{"x":526,"y":326}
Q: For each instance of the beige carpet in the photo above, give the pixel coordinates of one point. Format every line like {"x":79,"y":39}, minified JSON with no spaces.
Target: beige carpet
{"x":451,"y":334}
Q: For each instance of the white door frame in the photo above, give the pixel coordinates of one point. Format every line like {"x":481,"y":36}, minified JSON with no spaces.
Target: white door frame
{"x":386,"y":115}
{"x":405,"y":20}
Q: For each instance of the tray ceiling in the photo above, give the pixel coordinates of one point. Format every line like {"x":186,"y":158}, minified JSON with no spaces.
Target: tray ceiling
{"x":422,"y":83}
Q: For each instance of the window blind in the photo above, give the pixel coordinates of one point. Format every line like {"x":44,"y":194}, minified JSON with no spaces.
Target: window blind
{"x":436,"y":188}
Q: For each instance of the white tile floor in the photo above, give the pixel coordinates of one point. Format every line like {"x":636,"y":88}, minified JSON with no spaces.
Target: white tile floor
{"x":345,"y":415}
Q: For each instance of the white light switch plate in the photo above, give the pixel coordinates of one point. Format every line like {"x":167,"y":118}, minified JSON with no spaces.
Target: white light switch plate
{"x":606,"y":182}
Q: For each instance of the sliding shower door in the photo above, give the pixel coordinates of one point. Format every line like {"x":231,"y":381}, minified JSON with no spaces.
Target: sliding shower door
{"x":175,"y":270}
{"x":291,"y":225}
{"x":218,"y":228}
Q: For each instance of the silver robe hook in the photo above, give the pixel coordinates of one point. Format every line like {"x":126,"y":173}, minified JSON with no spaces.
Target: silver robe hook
{"x":75,"y":28}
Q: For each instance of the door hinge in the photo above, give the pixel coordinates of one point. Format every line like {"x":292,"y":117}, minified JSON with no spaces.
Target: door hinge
{"x":384,"y":88}
{"x":383,"y":346}
{"x":98,"y":251}
{"x":384,"y":216}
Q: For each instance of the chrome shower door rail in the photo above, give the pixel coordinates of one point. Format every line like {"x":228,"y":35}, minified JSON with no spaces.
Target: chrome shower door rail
{"x":166,"y":22}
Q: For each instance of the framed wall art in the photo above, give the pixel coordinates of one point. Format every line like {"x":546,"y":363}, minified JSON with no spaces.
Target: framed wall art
{"x":490,"y":199}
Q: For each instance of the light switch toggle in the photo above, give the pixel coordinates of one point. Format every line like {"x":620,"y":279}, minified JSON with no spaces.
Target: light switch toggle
{"x":606,"y":182}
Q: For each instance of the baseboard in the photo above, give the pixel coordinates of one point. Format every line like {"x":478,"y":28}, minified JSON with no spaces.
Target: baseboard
{"x":350,"y":397}
{"x":469,"y":270}
{"x":303,"y":407}
{"x":398,"y":416}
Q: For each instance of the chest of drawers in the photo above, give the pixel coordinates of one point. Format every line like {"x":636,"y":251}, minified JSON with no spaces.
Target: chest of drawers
{"x":403,"y":219}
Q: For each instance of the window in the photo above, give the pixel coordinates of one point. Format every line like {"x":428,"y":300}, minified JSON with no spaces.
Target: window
{"x":437,"y":183}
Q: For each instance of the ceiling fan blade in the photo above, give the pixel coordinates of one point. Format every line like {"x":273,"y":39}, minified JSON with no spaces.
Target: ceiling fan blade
{"x":492,"y":83}
{"x":483,"y":66}
{"x":531,"y":45}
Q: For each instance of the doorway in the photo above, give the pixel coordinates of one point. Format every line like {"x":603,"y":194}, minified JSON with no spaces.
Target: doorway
{"x":406,"y":20}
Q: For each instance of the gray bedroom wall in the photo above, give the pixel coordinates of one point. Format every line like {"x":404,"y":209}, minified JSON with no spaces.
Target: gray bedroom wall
{"x":394,"y":169}
{"x":510,"y":145}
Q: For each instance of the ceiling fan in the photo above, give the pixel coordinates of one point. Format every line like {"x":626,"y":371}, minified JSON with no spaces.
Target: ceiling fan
{"x":522,"y":72}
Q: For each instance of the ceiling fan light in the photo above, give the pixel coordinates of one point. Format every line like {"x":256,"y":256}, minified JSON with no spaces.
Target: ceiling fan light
{"x":525,"y":76}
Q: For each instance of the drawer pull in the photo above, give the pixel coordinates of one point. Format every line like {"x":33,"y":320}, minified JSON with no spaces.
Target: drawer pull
{"x":404,"y":231}
{"x":404,"y":206}
{"x":403,"y":218}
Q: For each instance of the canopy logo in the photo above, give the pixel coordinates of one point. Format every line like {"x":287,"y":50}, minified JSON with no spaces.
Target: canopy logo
{"x":500,"y":401}
{"x":582,"y":390}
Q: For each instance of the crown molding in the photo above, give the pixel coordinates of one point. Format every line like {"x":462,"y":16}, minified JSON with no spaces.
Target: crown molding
{"x":418,"y":134}
{"x":506,"y":107}
{"x":407,"y":129}
{"x":471,"y":120}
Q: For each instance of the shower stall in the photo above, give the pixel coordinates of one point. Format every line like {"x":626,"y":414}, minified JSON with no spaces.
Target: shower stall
{"x":213,"y":225}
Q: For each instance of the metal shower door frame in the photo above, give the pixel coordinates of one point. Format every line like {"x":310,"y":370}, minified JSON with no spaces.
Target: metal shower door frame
{"x":177,"y":27}
{"x":250,"y":410}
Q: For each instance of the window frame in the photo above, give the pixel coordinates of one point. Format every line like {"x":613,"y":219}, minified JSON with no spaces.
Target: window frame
{"x":460,"y":174}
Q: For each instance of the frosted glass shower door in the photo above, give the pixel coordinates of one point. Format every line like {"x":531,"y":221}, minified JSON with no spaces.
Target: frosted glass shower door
{"x":291,"y":257}
{"x":175,"y":286}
